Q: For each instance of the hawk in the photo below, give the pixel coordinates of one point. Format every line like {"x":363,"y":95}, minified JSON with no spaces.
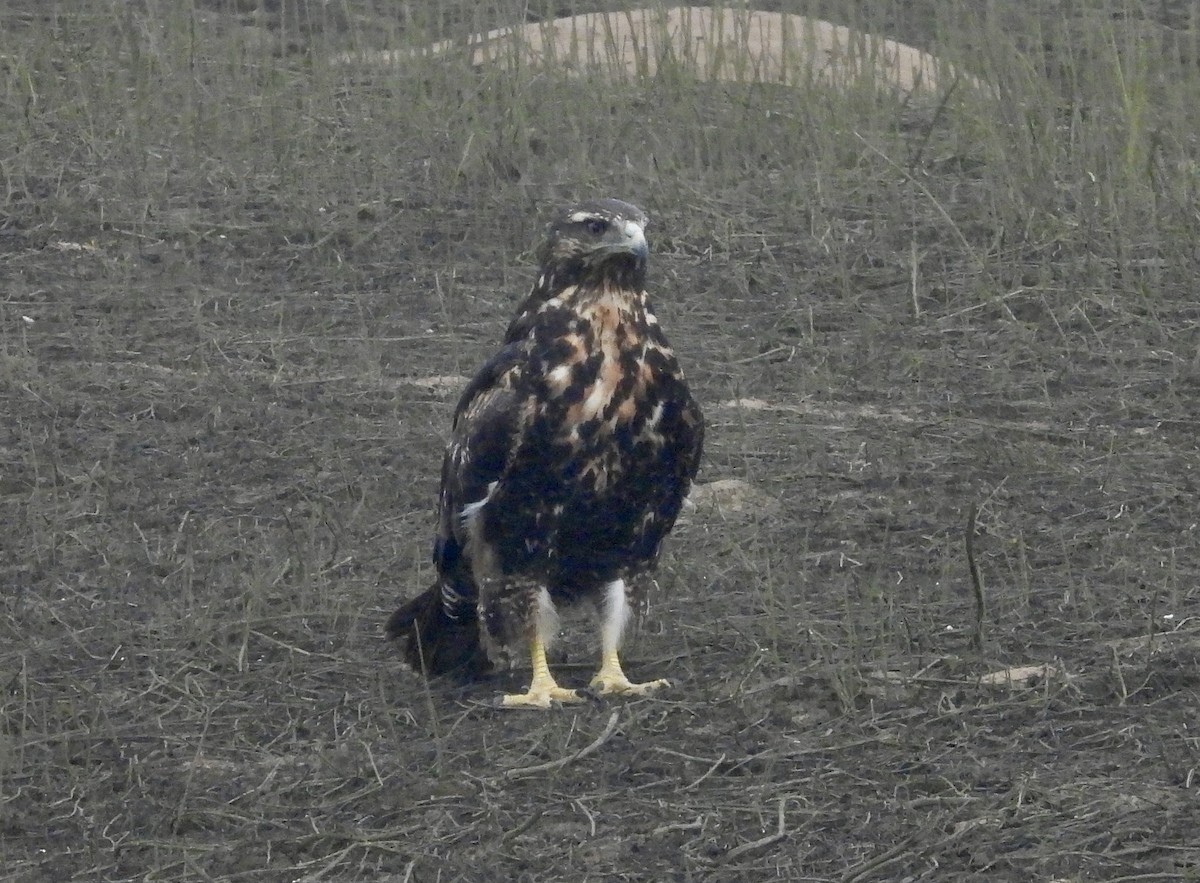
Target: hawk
{"x":571,"y":453}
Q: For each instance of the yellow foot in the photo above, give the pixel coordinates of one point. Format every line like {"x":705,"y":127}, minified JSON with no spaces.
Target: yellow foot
{"x":543,"y":690}
{"x":540,"y":696}
{"x":607,"y":684}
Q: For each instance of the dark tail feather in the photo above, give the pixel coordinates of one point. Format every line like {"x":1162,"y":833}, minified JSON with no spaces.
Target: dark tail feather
{"x":435,"y":642}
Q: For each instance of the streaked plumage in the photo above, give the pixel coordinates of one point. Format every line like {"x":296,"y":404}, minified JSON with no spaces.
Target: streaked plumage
{"x":572,"y":450}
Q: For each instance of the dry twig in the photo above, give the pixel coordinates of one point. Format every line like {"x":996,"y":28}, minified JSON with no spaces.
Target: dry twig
{"x":753,"y":845}
{"x":901,"y":849}
{"x":609,"y":729}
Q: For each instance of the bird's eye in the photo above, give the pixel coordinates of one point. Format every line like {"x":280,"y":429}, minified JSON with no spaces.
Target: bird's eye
{"x":595,"y":226}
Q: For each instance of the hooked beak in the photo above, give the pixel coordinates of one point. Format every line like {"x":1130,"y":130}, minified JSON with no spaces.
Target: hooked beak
{"x":629,"y":237}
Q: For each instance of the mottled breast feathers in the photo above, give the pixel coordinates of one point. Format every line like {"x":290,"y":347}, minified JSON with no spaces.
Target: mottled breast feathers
{"x":577,"y":442}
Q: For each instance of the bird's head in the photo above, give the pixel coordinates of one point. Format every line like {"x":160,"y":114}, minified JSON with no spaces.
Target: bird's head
{"x":598,"y":242}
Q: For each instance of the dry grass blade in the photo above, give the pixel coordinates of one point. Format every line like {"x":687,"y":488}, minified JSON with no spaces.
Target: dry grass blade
{"x":976,"y":577}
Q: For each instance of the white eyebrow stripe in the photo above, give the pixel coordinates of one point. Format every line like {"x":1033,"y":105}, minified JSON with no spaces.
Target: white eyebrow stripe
{"x":580,"y":217}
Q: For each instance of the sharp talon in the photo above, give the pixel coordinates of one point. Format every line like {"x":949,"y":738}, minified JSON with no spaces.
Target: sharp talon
{"x":541,"y":698}
{"x":622,"y":686}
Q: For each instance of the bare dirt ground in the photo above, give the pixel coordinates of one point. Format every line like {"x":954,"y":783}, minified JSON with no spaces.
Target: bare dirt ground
{"x":935,"y":614}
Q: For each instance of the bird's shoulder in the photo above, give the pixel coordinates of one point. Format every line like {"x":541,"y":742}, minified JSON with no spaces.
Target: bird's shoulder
{"x":493,"y":387}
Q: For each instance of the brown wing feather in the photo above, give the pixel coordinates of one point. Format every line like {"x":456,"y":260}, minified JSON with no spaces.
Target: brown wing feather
{"x":441,"y":625}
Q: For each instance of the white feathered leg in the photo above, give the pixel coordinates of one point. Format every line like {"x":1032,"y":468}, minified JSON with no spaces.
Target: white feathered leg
{"x":615,"y":613}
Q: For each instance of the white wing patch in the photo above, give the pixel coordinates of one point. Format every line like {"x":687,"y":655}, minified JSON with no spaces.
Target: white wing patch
{"x":471,"y":511}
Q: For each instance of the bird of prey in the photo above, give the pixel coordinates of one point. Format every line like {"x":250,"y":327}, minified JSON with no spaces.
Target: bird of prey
{"x":571,"y":453}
